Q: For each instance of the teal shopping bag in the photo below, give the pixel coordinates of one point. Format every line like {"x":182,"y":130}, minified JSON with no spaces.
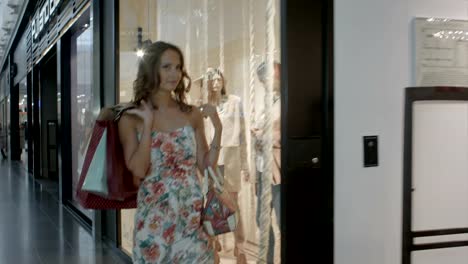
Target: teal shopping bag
{"x":96,"y":178}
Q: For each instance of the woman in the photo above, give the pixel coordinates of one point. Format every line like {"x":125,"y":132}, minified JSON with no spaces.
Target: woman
{"x":164,"y":143}
{"x":233,"y":156}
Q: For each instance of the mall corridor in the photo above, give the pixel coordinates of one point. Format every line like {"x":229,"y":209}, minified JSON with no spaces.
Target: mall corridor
{"x":35,"y":228}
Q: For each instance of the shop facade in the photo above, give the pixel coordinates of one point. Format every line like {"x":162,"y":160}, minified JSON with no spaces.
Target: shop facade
{"x":52,"y":95}
{"x":74,"y":57}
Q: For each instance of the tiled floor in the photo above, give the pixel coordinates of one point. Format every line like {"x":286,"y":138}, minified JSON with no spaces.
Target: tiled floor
{"x":35,"y":228}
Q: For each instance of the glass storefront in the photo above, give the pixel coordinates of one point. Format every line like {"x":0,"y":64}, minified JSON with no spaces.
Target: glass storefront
{"x":3,"y":129}
{"x":7,"y":146}
{"x":82,"y":117}
{"x":3,"y":116}
{"x":233,"y":46}
{"x":23,"y":119}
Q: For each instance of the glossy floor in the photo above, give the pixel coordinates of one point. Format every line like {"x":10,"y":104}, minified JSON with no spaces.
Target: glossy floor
{"x":35,"y":228}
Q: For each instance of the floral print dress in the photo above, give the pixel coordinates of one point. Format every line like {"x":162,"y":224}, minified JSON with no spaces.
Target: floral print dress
{"x":168,"y":218}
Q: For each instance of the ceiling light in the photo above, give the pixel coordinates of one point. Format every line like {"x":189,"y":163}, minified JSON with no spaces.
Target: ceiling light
{"x":140,"y":53}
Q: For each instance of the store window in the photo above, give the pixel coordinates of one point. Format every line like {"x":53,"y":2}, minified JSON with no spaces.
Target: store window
{"x":82,"y":118}
{"x":3,"y":117}
{"x":232,"y":54}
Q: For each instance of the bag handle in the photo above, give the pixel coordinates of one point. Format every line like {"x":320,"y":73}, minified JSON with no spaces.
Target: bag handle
{"x":217,"y":179}
{"x":119,"y":109}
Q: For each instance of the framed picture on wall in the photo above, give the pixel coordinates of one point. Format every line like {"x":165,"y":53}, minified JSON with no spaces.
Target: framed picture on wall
{"x":440,"y":52}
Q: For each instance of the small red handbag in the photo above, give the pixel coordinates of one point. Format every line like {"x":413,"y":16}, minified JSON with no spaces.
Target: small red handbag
{"x":220,"y":213}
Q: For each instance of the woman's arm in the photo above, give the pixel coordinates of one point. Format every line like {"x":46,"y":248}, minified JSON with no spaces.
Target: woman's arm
{"x":207,"y":156}
{"x":137,"y":151}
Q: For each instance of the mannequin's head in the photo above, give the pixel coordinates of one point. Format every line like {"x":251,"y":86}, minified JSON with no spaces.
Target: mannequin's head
{"x":262,"y":75}
{"x":214,"y":82}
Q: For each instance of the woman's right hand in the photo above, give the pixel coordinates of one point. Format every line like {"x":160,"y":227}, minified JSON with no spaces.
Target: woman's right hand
{"x":145,"y":112}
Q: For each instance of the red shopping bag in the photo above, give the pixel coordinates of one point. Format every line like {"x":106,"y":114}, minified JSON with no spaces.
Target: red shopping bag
{"x":119,"y":178}
{"x":122,"y":193}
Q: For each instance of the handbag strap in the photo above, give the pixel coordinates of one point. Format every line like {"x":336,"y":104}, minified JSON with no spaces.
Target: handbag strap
{"x":113,"y":113}
{"x":120,"y":109}
{"x":209,"y":172}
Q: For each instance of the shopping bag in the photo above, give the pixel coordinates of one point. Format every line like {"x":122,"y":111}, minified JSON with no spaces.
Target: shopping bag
{"x":220,"y":213}
{"x":119,"y":178}
{"x":96,"y":179}
{"x":121,"y":192}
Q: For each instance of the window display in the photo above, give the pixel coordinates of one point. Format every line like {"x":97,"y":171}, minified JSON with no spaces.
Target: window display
{"x":232,"y":53}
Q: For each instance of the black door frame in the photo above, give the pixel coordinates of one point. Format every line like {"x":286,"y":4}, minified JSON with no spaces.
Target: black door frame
{"x":14,"y":111}
{"x":36,"y":126}
{"x":30,"y":137}
{"x":307,"y":212}
{"x":414,"y":94}
{"x":37,"y":79}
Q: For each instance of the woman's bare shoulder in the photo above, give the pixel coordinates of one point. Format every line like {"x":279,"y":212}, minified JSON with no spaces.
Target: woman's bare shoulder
{"x":131,"y":121}
{"x":195,"y":116}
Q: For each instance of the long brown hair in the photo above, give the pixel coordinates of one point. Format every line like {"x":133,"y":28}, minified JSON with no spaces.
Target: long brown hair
{"x":148,"y":75}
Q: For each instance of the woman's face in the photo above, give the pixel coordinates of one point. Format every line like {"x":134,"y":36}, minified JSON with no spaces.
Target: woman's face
{"x":170,"y":71}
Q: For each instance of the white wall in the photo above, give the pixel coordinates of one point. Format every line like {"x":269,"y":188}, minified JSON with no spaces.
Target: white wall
{"x":372,"y":68}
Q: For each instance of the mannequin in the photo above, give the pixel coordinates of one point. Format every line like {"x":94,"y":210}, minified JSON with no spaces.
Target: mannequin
{"x":233,"y":155}
{"x":274,"y":247}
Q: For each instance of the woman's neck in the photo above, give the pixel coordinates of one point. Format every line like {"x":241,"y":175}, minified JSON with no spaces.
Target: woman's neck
{"x":162,"y":99}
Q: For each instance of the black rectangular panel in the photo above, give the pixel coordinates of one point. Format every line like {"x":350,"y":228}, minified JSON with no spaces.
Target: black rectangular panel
{"x":371,"y":151}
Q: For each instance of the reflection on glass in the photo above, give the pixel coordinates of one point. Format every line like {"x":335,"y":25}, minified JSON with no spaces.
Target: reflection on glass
{"x":7,"y":146}
{"x":23,"y":119}
{"x":3,"y":129}
{"x":81,"y":103}
{"x":232,"y":54}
